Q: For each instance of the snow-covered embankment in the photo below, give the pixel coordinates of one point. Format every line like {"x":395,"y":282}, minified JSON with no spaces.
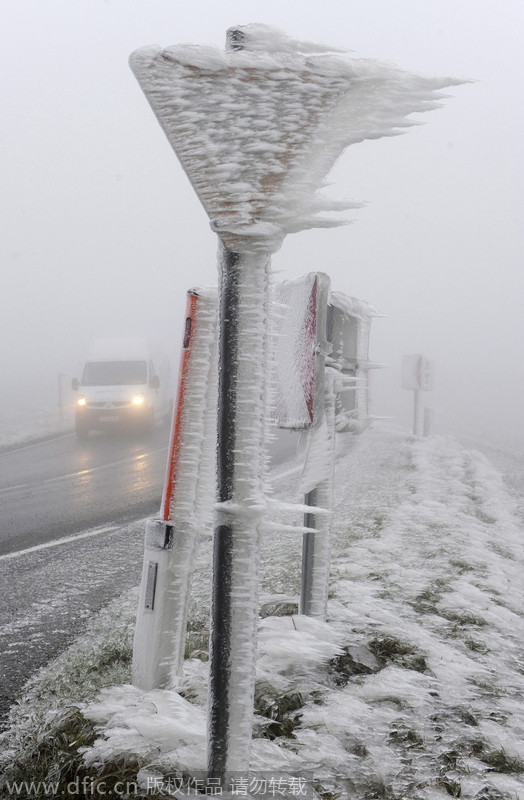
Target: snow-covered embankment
{"x":414,"y":687}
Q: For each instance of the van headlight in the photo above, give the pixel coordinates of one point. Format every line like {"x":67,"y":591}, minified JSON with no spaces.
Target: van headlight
{"x":81,"y":401}
{"x":139,"y":400}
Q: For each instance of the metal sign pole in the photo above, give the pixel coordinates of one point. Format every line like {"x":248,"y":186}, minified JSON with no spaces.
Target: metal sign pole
{"x":429,"y":414}
{"x":316,"y":548}
{"x":220,"y":643}
{"x":308,"y":553}
{"x":417,"y":412}
{"x":244,"y":299}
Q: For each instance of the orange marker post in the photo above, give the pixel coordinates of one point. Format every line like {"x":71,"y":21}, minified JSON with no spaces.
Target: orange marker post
{"x":178,"y":410}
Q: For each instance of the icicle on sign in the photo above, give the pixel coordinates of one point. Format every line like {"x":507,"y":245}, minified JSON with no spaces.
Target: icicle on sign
{"x":258,"y":129}
{"x":300,"y":350}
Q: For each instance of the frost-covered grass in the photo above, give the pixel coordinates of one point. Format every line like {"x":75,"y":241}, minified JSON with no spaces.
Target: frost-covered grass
{"x":27,"y":415}
{"x":47,"y":725}
{"x":412,"y":690}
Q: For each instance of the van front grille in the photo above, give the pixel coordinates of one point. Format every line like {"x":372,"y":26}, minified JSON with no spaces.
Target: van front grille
{"x":114,"y":404}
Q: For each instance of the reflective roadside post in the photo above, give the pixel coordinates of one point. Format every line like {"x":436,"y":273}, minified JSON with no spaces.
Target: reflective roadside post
{"x":172,"y":537}
{"x":256,"y":129}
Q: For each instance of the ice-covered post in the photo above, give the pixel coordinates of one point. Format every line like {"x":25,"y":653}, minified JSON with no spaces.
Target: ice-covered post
{"x":172,"y":537}
{"x":429,"y":415}
{"x":316,"y":547}
{"x":244,"y":298}
{"x":341,"y":332}
{"x":256,"y":129}
{"x":417,"y":412}
{"x":418,"y":375}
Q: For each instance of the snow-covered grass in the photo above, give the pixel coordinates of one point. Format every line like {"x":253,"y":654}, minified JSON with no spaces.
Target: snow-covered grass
{"x":412,"y":690}
{"x":31,"y":413}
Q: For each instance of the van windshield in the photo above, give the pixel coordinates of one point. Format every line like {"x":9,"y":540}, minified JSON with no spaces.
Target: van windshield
{"x":114,"y":373}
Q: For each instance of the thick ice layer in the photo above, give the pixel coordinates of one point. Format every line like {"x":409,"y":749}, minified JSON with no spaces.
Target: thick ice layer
{"x":241,"y":491}
{"x":257,"y":130}
{"x":354,"y":306}
{"x":265,"y":38}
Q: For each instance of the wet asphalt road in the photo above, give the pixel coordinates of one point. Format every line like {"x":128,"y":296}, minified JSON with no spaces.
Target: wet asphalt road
{"x":55,"y":488}
{"x":71,"y":539}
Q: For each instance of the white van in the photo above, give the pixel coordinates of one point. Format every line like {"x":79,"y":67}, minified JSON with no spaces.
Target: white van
{"x":119,"y":388}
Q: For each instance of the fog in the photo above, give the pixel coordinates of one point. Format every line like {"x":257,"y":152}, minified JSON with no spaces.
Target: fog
{"x":103,"y":235}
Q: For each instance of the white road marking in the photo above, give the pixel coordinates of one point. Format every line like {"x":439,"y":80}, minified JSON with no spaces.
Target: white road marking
{"x":56,"y":542}
{"x":12,"y":488}
{"x":35,"y":444}
{"x":81,"y":473}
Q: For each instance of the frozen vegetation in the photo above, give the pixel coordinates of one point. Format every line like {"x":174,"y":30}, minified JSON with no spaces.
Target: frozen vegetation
{"x":412,"y":690}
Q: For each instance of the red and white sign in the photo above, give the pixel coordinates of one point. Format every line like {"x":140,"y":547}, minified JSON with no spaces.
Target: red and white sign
{"x":301,"y":309}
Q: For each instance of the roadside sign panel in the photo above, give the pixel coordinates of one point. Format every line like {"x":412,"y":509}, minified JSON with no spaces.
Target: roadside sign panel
{"x":349,"y":324}
{"x":300,"y":349}
{"x":418,"y":373}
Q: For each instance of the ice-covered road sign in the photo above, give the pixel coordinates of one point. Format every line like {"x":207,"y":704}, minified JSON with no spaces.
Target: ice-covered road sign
{"x":418,"y":373}
{"x":349,"y":323}
{"x":257,"y":129}
{"x":239,"y":123}
{"x":300,"y":349}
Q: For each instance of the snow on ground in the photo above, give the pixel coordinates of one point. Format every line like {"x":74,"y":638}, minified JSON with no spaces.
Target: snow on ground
{"x":414,"y":688}
{"x":31,"y":413}
{"x":70,"y":581}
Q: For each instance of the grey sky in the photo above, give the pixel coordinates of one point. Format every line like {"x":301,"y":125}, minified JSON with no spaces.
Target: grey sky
{"x":102,"y":233}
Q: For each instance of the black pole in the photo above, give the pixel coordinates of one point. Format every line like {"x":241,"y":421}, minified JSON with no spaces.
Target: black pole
{"x":221,"y":612}
{"x":308,"y":548}
{"x":219,"y":678}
